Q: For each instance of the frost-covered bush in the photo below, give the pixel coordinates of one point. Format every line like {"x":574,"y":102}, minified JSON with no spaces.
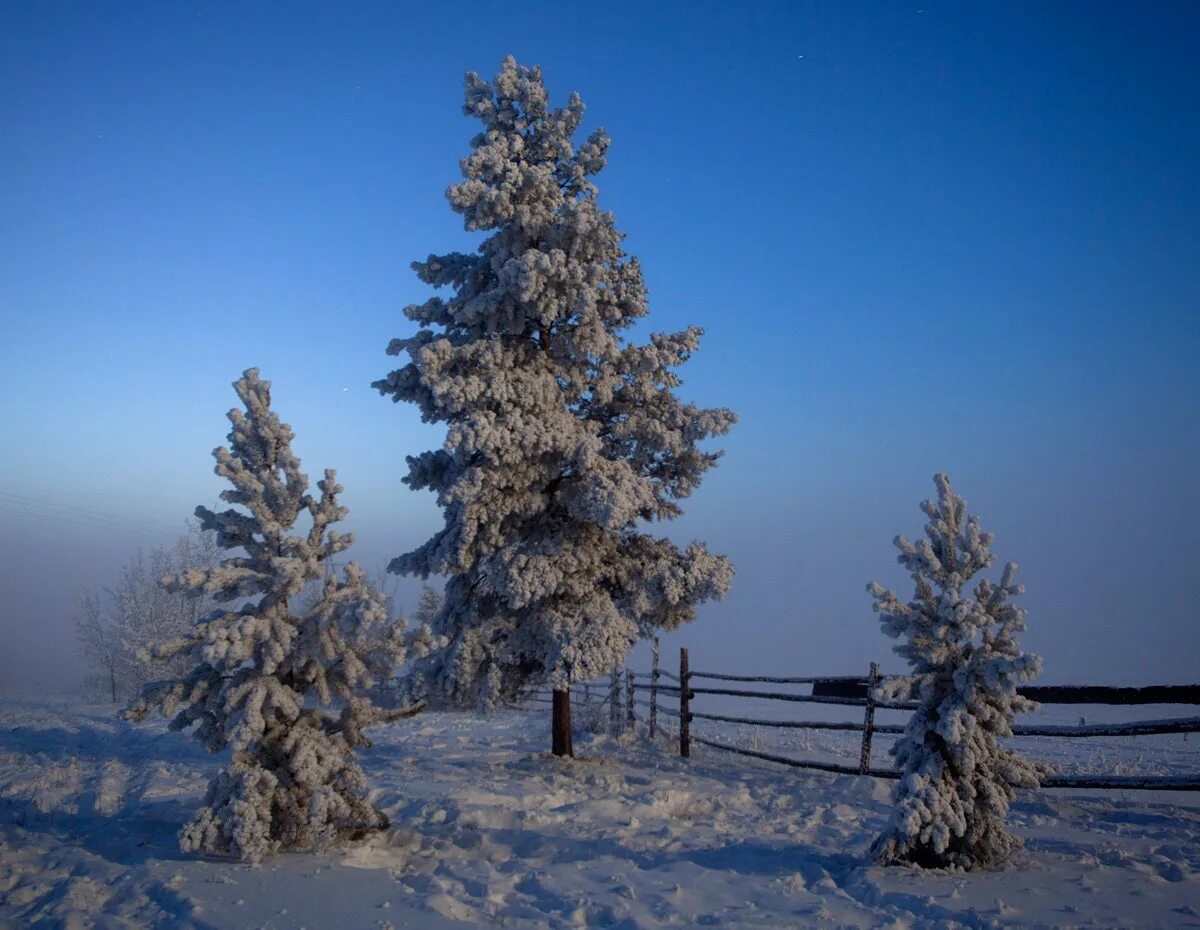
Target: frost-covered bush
{"x":957,"y":779}
{"x":590,"y":715}
{"x":116,"y":625}
{"x":564,"y":439}
{"x":293,"y":781}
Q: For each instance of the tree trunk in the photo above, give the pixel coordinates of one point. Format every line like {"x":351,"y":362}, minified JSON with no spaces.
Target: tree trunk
{"x":112,"y":678}
{"x":685,"y":706}
{"x":560,"y":724}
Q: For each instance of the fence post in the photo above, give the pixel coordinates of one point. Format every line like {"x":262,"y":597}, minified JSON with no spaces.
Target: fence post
{"x":654,"y":688}
{"x":864,"y":758}
{"x":614,"y":702}
{"x":630,"y":714}
{"x":685,"y":716}
{"x":560,"y":723}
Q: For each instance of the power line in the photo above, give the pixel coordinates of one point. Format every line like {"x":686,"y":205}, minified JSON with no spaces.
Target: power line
{"x":80,"y":520}
{"x":41,"y":502}
{"x":35,"y":503}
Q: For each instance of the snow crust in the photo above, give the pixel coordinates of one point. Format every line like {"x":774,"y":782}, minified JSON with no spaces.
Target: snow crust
{"x":487,"y":831}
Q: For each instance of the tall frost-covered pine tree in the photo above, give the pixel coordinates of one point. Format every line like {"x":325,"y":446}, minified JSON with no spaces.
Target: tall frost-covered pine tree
{"x":956,"y":778}
{"x":293,"y":781}
{"x":563,"y":438}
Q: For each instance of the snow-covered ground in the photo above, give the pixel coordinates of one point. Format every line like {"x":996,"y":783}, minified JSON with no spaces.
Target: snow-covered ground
{"x":488,"y":830}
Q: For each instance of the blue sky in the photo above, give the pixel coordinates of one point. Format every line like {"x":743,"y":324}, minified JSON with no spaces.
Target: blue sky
{"x":920,"y":237}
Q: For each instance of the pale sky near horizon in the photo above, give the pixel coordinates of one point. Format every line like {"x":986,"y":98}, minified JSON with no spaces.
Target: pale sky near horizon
{"x":920,"y":237}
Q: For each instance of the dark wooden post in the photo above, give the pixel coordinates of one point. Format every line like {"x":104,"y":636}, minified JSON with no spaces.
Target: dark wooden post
{"x":630,"y":714}
{"x":685,"y":716}
{"x":560,"y":724}
{"x":864,"y":758}
{"x":654,"y":688}
{"x":614,"y":702}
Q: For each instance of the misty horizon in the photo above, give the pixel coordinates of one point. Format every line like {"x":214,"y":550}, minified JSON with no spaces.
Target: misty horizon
{"x":902,"y":267}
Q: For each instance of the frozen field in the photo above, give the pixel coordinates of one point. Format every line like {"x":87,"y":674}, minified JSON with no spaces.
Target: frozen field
{"x":488,"y":830}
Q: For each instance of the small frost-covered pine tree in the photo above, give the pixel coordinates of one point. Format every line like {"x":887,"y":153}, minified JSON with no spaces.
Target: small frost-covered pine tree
{"x":428,"y":605}
{"x":564,"y":439}
{"x":293,"y":781}
{"x":956,"y":778}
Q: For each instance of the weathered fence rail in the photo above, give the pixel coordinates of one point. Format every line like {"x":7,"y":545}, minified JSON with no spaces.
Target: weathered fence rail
{"x":768,"y":679}
{"x":1127,"y":782}
{"x":1043,"y":694}
{"x":860,"y":692}
{"x":851,"y":691}
{"x":793,"y":698}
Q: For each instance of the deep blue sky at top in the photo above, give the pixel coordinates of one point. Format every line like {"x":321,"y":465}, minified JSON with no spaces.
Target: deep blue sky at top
{"x":920,"y":236}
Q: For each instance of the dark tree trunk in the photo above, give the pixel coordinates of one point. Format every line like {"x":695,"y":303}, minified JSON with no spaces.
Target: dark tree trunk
{"x":560,"y":724}
{"x":685,"y":706}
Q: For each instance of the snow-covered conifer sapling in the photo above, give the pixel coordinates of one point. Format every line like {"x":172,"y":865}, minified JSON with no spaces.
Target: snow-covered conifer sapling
{"x":957,"y":778}
{"x":293,"y":781}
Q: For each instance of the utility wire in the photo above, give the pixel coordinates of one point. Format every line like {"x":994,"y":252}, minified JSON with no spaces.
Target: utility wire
{"x":114,"y":525}
{"x":33,"y":502}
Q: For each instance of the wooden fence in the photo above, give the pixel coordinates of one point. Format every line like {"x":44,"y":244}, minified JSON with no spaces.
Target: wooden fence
{"x":859,"y":692}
